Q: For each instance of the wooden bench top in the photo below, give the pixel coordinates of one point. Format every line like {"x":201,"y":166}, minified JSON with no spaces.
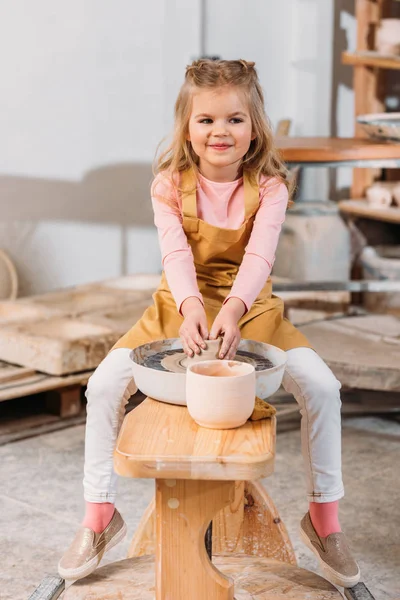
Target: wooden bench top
{"x":327,"y":149}
{"x":159,"y":440}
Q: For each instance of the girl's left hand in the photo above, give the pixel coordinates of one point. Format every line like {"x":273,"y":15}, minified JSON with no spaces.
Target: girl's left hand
{"x":226,"y":324}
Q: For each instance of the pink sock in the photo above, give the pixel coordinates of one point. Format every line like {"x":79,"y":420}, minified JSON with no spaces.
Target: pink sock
{"x":325,"y":517}
{"x":98,"y":515}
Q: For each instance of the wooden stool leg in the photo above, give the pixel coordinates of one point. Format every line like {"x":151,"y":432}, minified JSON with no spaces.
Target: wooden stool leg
{"x":264,"y":533}
{"x":184,"y":509}
{"x":250,"y":524}
{"x":144,"y":539}
{"x":228,"y":524}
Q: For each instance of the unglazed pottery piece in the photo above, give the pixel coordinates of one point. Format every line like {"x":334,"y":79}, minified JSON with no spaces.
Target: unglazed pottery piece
{"x":396,"y":194}
{"x":388,"y":37}
{"x":385,"y":126}
{"x":379,"y":196}
{"x":158,"y":383}
{"x":220,"y":394}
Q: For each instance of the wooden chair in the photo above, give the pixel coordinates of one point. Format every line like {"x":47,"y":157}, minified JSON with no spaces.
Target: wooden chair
{"x":201,"y":473}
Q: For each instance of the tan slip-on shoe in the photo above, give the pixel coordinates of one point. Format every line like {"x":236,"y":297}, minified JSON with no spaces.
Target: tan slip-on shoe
{"x":88,"y":548}
{"x":333,"y":552}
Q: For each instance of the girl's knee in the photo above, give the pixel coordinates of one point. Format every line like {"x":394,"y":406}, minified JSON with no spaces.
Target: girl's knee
{"x":326,"y":384}
{"x":322,"y":391}
{"x":104,"y":386}
{"x":97,"y":386}
{"x":309,"y":376}
{"x":112,"y":378}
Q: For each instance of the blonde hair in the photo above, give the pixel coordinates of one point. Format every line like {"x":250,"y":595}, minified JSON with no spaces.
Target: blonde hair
{"x":262,"y":157}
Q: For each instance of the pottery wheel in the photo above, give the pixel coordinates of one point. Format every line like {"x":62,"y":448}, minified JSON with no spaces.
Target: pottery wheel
{"x":175,"y":361}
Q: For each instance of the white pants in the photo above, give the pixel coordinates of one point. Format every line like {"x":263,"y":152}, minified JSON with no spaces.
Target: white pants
{"x":307,"y":377}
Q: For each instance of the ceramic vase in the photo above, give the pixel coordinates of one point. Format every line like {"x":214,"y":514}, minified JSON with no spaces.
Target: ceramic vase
{"x":388,"y":37}
{"x":220,"y":394}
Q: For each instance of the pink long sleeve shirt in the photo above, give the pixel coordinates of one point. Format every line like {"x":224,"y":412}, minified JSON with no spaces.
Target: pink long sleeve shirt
{"x":221,"y":205}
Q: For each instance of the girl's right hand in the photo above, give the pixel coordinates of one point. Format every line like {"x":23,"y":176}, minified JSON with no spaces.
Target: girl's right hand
{"x":193,"y":330}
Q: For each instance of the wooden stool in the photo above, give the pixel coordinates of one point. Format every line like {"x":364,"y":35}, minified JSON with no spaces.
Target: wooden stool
{"x":195,"y":471}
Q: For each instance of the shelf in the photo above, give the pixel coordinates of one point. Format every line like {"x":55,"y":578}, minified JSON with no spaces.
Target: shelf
{"x":369,"y":58}
{"x":361,"y":208}
{"x":322,"y":151}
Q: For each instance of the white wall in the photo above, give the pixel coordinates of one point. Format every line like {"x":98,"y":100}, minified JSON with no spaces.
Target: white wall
{"x":86,"y":86}
{"x":87,"y":91}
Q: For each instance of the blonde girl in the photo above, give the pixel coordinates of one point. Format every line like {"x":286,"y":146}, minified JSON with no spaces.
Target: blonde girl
{"x":219,"y":198}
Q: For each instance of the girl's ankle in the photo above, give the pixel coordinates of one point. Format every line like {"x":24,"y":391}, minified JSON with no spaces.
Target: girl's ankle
{"x":98,"y":515}
{"x":325,"y":517}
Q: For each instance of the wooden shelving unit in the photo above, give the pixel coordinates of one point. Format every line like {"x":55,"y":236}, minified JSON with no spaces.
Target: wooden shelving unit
{"x":361,"y":208}
{"x":371,"y":59}
{"x":366,"y":156}
{"x":369,"y":69}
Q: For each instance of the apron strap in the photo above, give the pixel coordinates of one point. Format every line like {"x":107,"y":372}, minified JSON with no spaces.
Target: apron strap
{"x":189,"y":202}
{"x":251,"y":196}
{"x":189,"y":188}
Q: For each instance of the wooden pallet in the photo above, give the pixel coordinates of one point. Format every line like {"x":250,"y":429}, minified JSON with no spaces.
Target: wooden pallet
{"x":51,"y":402}
{"x":16,"y":382}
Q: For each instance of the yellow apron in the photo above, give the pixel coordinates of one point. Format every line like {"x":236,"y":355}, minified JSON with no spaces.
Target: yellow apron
{"x":217,"y":254}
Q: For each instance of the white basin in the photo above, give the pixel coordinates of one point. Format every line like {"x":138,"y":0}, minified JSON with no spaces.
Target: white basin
{"x":170,"y":387}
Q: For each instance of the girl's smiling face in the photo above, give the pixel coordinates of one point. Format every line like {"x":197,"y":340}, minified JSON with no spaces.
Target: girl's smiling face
{"x":220,"y":131}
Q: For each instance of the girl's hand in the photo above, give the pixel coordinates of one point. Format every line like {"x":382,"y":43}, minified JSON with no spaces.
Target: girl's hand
{"x":193,"y":330}
{"x":226,"y":323}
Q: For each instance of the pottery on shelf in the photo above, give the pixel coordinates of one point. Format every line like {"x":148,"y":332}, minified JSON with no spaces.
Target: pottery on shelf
{"x":379,"y":196}
{"x":384,"y":126}
{"x":396,"y":193}
{"x":220,"y":394}
{"x":388,"y":37}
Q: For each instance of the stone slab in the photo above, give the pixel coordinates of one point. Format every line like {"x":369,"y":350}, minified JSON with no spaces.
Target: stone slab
{"x":56,"y":346}
{"x":81,"y":299}
{"x":77,"y":301}
{"x":142,"y":282}
{"x":323,"y":300}
{"x":16,"y":310}
{"x":363,"y":352}
{"x":72,"y":330}
{"x":119,"y":319}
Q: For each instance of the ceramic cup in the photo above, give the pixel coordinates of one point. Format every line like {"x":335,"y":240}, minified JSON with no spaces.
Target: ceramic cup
{"x":379,"y":196}
{"x":220,"y":394}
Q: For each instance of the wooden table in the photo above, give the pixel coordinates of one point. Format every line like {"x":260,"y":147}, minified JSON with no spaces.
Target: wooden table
{"x":195,"y":471}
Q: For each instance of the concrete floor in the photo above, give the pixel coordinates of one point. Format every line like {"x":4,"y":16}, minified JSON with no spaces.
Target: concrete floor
{"x":41,"y":503}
